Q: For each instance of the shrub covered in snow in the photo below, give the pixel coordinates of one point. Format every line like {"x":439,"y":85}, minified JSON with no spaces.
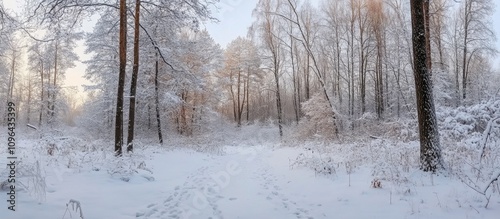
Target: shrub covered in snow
{"x":471,"y":139}
{"x":318,"y":120}
{"x":462,"y":122}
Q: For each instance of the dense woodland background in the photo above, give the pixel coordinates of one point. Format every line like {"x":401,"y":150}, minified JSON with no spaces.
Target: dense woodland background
{"x":327,"y":68}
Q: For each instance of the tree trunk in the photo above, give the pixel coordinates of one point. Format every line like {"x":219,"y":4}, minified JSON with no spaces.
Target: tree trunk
{"x":54,"y":86}
{"x":182,"y":114}
{"x":338,"y":54}
{"x":41,"y":95}
{"x":464,"y":69}
{"x":306,"y":79}
{"x":467,"y":8}
{"x":278,"y":100}
{"x":157,"y":101}
{"x":238,"y":99}
{"x":248,"y":94}
{"x":133,"y":83}
{"x":121,"y":79}
{"x":29,"y":100}
{"x":149,"y":116}
{"x":351,"y":72}
{"x":235,"y":107}
{"x":299,"y":84}
{"x":430,"y":151}
{"x":49,"y":93}
{"x":296,"y":103}
{"x":457,"y":72}
{"x":362,"y":67}
{"x":240,"y":110}
{"x":427,"y":35}
{"x":12,"y":75}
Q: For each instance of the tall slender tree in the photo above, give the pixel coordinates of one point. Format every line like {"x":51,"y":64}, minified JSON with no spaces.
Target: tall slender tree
{"x":133,"y":83}
{"x":121,"y":79}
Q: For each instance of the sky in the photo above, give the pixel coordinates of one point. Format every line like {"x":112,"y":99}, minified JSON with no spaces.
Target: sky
{"x":235,"y":16}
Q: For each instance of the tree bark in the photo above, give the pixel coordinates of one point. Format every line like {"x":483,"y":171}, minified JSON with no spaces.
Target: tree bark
{"x":430,"y":151}
{"x":54,"y":88}
{"x":29,"y":100}
{"x":157,"y":101}
{"x":238,"y":99}
{"x":427,"y":35}
{"x":133,"y":83}
{"x":248,"y":94}
{"x":296,"y":102}
{"x":49,"y":91}
{"x":121,"y":79}
{"x":12,"y":75}
{"x":41,"y":95}
{"x":278,"y":98}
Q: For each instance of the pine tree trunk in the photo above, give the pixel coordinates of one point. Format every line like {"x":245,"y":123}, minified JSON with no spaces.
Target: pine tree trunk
{"x":133,"y":83}
{"x":121,"y":79}
{"x":427,"y":35}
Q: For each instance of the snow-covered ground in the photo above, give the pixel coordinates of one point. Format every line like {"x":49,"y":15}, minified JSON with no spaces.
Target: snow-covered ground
{"x":252,"y":175}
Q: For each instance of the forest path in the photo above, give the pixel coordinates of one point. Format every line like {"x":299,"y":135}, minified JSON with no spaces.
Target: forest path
{"x":242,"y":183}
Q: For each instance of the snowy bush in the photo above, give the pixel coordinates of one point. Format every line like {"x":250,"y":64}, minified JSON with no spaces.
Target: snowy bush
{"x":128,"y":166}
{"x":471,"y":139}
{"x":392,"y":160}
{"x":326,"y":166}
{"x":318,"y":120}
{"x":463,"y":122}
{"x":31,"y":178}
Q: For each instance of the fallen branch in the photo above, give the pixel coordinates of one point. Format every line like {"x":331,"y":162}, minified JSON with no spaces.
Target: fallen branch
{"x":75,"y":206}
{"x":32,"y":126}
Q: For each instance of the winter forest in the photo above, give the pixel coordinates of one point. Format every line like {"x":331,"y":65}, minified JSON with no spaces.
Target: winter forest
{"x":320,"y":109}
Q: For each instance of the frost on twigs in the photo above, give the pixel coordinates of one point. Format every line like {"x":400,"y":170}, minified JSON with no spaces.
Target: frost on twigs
{"x":318,"y":121}
{"x":471,"y":147}
{"x":314,"y":160}
{"x":128,"y":167}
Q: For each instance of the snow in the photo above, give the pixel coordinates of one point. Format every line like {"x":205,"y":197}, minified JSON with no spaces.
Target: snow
{"x":252,"y":176}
